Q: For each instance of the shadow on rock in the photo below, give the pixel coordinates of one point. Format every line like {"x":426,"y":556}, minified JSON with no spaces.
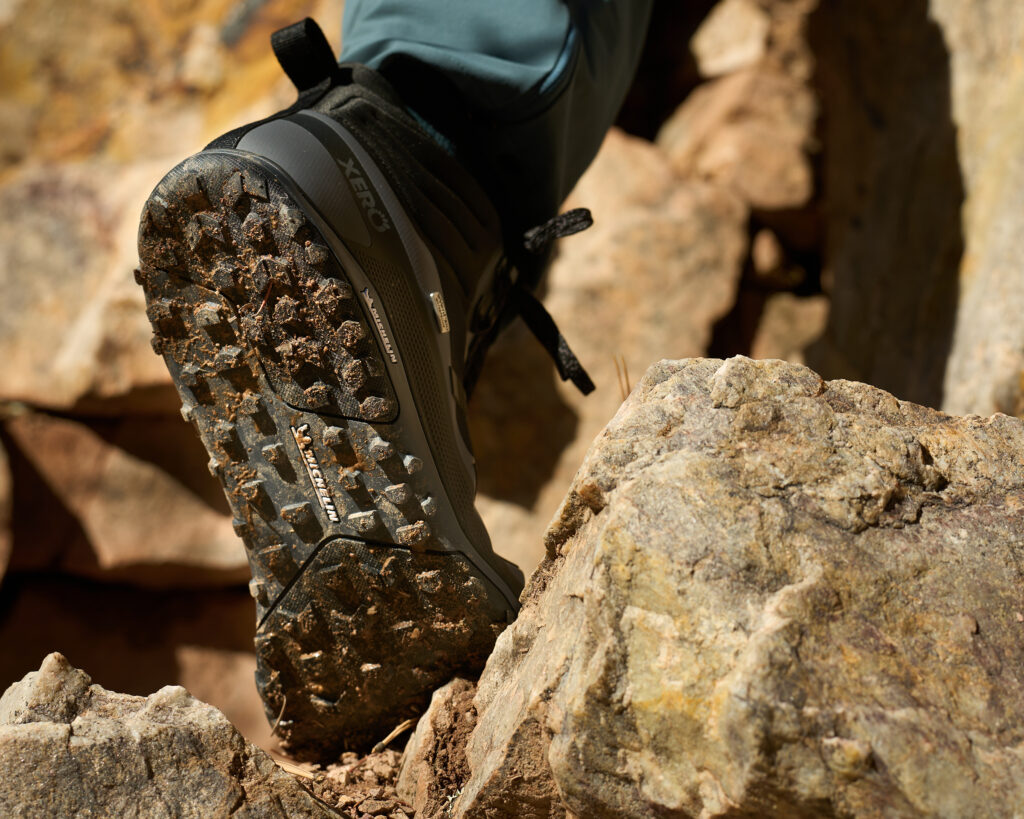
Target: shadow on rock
{"x":137,"y":640}
{"x":519,"y":422}
{"x":894,"y":194}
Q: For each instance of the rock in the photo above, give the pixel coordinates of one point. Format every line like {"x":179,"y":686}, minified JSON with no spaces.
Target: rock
{"x":125,"y":500}
{"x":789,"y":324}
{"x":766,"y":254}
{"x":657,"y":270}
{"x":894,"y":199}
{"x":5,"y":512}
{"x":97,"y":121}
{"x":434,"y":764}
{"x":77,"y":749}
{"x":136,"y":640}
{"x":985,"y":372}
{"x":923,"y":169}
{"x":749,"y":131}
{"x":202,"y":65}
{"x":67,"y":338}
{"x":733,"y":36}
{"x":768,"y":595}
{"x":752,"y":129}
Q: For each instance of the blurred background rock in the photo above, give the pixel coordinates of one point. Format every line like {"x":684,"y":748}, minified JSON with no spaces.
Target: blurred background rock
{"x":833,"y":182}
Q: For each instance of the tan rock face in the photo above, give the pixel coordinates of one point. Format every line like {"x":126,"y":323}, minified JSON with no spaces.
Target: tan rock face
{"x":122,"y":500}
{"x":894,"y":197}
{"x":90,"y":125}
{"x":986,"y":360}
{"x":658,"y":268}
{"x":920,"y":198}
{"x":168,"y":750}
{"x":768,"y":595}
{"x":73,"y":325}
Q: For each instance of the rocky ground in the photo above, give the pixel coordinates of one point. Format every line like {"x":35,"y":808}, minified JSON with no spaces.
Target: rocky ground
{"x":826,"y":183}
{"x":837,"y":633}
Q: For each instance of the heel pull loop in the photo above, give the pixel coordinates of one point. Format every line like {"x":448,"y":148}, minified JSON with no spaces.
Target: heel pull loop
{"x":305,"y":55}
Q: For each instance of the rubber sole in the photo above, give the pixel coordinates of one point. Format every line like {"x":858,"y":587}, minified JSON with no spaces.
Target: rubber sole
{"x":363,"y":607}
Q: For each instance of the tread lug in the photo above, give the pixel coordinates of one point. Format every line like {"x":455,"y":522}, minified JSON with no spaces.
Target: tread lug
{"x":364,"y":521}
{"x":398,"y":493}
{"x":381,"y":450}
{"x":256,"y":495}
{"x":303,"y":519}
{"x":414,"y":534}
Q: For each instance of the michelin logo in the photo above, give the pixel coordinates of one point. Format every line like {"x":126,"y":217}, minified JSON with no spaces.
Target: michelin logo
{"x":316,"y":475}
{"x":377,"y":320}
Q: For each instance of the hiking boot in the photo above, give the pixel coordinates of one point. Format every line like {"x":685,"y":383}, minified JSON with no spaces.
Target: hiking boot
{"x":315,"y":281}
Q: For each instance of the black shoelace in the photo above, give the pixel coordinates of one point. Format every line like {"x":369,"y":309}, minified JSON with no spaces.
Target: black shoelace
{"x":538,"y":240}
{"x":511,"y":297}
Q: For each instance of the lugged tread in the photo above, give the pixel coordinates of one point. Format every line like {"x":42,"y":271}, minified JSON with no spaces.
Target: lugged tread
{"x":205,"y":325}
{"x":432,"y":610}
{"x":293,"y":309}
{"x":280,"y":374}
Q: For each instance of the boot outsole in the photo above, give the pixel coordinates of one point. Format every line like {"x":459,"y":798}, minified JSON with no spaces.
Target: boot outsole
{"x":362,"y":608}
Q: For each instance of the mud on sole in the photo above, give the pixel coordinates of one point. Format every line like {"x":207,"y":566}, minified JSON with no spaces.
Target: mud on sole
{"x":361,"y":611}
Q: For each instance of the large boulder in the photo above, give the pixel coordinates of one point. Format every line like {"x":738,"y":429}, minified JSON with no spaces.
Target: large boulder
{"x":69,"y":748}
{"x":768,"y":595}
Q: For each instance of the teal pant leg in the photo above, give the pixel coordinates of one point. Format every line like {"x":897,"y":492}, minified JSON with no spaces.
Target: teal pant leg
{"x":526,"y":89}
{"x":495,"y":52}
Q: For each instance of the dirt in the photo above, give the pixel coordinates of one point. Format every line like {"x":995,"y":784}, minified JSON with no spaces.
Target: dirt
{"x":358,"y":786}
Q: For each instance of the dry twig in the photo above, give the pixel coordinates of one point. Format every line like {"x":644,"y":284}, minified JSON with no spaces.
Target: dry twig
{"x":380,"y":746}
{"x":622,"y":376}
{"x":292,"y":768}
{"x":277,"y":721}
